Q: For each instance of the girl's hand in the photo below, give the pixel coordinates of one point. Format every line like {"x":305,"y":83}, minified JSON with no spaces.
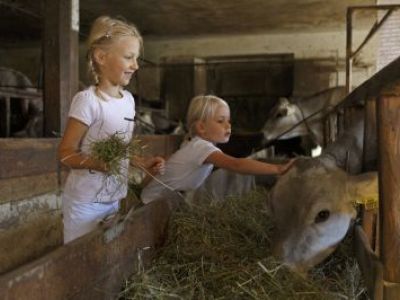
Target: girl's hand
{"x":284,"y":168}
{"x":155,"y":165}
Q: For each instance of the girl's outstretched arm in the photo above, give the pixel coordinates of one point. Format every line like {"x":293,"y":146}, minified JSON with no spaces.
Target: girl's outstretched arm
{"x":246,"y":165}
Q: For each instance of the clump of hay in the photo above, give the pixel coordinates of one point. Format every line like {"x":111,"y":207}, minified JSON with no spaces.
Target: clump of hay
{"x":222,"y":250}
{"x":113,"y":150}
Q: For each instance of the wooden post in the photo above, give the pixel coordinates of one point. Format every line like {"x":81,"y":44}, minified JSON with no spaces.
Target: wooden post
{"x":182,"y":79}
{"x":8,"y":115}
{"x":370,"y":136}
{"x":349,"y":46}
{"x":60,"y":49}
{"x":369,"y":217}
{"x":388,"y":120}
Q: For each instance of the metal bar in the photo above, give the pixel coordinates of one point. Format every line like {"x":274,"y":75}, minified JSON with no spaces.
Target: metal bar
{"x":373,"y":30}
{"x":375,"y":7}
{"x":349,"y":37}
{"x":20,"y":93}
{"x":8,"y":116}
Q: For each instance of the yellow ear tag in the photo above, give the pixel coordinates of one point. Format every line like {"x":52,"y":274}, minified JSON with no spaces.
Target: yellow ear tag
{"x":370,"y":203}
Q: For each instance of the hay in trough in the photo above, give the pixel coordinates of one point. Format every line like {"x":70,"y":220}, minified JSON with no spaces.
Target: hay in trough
{"x":222,"y":250}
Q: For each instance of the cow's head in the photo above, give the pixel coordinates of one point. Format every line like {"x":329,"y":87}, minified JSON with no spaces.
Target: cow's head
{"x":313,"y":207}
{"x":282,"y":117}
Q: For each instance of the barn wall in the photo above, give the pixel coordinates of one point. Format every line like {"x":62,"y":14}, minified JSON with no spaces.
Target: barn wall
{"x":30,"y":217}
{"x":318,"y":55}
{"x":30,"y":195}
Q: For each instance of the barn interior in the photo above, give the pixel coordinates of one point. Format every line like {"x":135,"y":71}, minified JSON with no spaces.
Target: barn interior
{"x":250,"y":53}
{"x":268,"y":50}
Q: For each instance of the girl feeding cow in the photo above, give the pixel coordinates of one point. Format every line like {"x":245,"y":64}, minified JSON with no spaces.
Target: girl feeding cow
{"x":208,"y":123}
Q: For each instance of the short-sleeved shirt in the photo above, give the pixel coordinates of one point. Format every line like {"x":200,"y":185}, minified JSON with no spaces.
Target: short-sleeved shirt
{"x":185,"y":170}
{"x":104,"y":116}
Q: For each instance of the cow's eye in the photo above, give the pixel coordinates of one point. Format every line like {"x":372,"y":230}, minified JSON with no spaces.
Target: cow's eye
{"x":279,"y":115}
{"x":322,"y":216}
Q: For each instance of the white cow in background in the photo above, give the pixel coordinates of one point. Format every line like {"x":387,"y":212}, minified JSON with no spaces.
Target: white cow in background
{"x":27,"y":117}
{"x":289,"y":112}
{"x":155,"y":121}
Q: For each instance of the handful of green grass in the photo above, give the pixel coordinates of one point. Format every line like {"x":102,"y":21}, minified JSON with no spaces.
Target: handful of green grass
{"x":113,"y":150}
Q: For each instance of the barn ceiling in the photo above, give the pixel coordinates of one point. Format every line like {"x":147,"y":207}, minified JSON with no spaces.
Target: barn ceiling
{"x":22,"y":19}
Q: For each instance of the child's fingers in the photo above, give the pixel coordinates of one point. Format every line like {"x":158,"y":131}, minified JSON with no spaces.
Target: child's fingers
{"x":160,"y":168}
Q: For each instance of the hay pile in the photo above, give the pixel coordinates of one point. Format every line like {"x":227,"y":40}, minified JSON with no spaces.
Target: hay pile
{"x":222,"y":251}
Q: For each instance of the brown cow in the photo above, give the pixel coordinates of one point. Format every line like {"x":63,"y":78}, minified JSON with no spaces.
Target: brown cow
{"x":313,"y":203}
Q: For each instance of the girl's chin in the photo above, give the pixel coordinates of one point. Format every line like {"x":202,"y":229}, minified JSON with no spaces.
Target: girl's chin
{"x":124,"y":82}
{"x":223,"y":141}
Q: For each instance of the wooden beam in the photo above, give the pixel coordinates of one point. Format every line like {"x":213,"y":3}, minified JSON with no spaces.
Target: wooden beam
{"x":29,"y":240}
{"x":349,"y":47}
{"x":370,"y":147}
{"x":370,"y":154}
{"x":386,"y":81}
{"x":18,"y":188}
{"x":369,"y":263}
{"x":388,"y":115}
{"x":373,"y":30}
{"x":95,"y":265}
{"x":26,"y":157}
{"x":60,"y":51}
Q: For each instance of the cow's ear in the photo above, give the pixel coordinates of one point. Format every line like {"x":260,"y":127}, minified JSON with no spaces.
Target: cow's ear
{"x":283,"y":101}
{"x":363,"y":188}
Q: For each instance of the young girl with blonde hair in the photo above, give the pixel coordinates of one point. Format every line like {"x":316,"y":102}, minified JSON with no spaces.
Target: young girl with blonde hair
{"x":208,"y":123}
{"x":104,"y":109}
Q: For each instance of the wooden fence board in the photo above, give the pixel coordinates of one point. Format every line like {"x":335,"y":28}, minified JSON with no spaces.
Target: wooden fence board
{"x":26,"y":157}
{"x":369,"y":263}
{"x":93,"y":266}
{"x":17,"y":188}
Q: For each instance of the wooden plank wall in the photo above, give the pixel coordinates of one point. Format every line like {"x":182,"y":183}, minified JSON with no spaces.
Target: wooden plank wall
{"x":29,"y":166}
{"x":381,"y":269}
{"x":95,"y":265}
{"x":30,"y":219}
{"x":30,"y":186}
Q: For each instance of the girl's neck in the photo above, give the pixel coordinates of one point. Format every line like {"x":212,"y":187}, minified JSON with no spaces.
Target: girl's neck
{"x":111,"y":90}
{"x":201,"y":136}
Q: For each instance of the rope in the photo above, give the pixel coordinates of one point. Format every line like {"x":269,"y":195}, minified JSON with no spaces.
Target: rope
{"x":160,"y":181}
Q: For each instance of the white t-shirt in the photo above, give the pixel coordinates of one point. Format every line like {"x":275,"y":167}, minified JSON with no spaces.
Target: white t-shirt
{"x":104,"y":117}
{"x":184,"y":171}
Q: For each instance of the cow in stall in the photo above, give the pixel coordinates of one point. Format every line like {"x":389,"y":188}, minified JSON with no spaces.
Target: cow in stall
{"x":313,"y":204}
{"x":26,"y":114}
{"x":289,"y":112}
